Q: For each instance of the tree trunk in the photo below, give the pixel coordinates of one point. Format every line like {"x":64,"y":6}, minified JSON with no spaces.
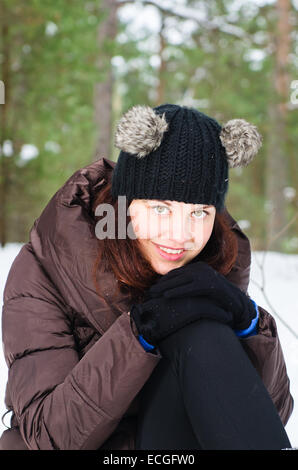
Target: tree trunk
{"x":277,"y":160}
{"x":163,"y":65}
{"x":4,"y":180}
{"x":104,"y":88}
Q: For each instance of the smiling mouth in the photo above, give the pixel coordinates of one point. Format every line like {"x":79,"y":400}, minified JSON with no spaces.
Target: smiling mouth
{"x":170,"y":255}
{"x":169,"y":247}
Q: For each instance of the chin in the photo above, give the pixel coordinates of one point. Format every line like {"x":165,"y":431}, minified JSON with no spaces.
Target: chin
{"x":162,"y":271}
{"x":165,"y":269}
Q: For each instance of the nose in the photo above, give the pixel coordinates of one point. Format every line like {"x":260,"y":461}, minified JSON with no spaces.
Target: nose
{"x":181,"y":232}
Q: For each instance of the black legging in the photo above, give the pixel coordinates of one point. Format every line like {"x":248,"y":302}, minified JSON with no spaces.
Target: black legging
{"x":206,"y":394}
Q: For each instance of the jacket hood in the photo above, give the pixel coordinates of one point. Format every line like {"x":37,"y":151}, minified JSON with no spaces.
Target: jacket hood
{"x":64,"y":241}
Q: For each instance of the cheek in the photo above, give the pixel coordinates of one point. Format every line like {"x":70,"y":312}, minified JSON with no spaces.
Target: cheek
{"x":203,"y":232}
{"x":146,"y":226}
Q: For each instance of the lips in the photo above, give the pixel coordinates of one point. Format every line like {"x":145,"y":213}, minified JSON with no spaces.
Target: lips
{"x":170,"y":247}
{"x":169,"y":256}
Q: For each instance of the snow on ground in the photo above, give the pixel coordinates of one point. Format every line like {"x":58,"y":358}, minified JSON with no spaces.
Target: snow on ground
{"x":280,"y":274}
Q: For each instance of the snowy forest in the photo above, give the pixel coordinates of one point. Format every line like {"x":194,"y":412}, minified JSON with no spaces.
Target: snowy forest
{"x":68,"y":71}
{"x":71,"y":68}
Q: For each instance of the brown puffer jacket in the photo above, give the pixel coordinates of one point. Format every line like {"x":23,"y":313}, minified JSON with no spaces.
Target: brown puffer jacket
{"x":75,"y":364}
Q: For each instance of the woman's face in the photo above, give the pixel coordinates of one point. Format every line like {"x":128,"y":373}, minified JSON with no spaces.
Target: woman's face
{"x":174,"y":225}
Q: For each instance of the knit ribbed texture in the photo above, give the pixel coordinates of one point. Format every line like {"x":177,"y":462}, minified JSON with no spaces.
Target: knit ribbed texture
{"x":190,"y":165}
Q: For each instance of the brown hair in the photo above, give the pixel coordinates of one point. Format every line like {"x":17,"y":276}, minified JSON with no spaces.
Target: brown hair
{"x":134,"y":272}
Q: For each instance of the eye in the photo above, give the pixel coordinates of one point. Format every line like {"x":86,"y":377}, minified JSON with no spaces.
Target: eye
{"x":159,"y":210}
{"x":201,"y":211}
{"x":159,"y":207}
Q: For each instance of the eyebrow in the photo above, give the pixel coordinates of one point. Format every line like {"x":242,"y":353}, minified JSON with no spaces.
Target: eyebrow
{"x":168,"y":203}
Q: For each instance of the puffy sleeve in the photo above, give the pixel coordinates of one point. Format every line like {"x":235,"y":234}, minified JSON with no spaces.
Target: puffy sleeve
{"x":61,"y":401}
{"x":265,"y":352}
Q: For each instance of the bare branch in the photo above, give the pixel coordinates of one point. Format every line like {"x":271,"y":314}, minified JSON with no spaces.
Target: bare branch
{"x":186,"y":13}
{"x":272,"y":309}
{"x":262,"y":269}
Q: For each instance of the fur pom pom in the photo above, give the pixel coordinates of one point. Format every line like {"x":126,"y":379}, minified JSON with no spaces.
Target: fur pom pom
{"x":140,"y":131}
{"x":241,"y":140}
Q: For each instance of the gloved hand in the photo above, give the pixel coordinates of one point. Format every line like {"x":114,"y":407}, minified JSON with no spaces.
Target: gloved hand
{"x":158,"y":318}
{"x":200,"y":279}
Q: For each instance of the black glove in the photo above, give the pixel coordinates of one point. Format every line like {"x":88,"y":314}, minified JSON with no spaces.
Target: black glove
{"x":200,"y":279}
{"x":158,"y":318}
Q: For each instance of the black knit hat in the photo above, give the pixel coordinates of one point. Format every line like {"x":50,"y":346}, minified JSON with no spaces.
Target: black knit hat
{"x":177,"y":153}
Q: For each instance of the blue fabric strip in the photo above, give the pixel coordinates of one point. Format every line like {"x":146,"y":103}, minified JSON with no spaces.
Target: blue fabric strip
{"x":146,"y":346}
{"x":253,"y":327}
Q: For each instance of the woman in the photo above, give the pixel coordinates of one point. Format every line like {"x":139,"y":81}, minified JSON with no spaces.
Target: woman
{"x":107,"y":333}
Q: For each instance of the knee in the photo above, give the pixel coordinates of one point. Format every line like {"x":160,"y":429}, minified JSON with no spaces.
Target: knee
{"x":200,"y":335}
{"x":204,"y":329}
